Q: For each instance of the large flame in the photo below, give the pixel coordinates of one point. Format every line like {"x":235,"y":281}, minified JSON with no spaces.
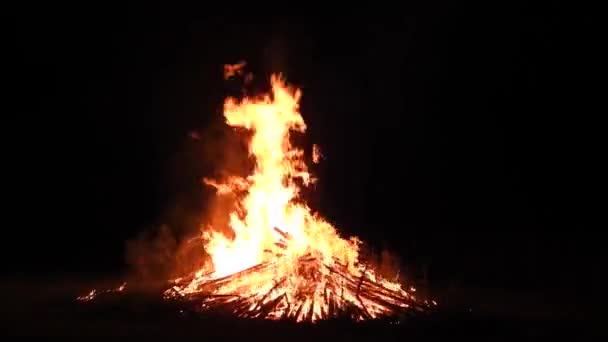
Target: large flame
{"x":273,"y":226}
{"x":272,"y":190}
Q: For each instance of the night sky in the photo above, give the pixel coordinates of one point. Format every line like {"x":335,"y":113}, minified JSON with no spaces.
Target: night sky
{"x":462,"y":140}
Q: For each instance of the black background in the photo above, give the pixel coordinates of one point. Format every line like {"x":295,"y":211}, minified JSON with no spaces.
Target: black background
{"x":464,"y":138}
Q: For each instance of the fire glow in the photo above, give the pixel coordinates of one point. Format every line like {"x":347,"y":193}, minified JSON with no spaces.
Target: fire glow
{"x":284,"y":261}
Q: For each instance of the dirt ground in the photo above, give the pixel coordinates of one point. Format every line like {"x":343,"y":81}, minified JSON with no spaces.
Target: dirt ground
{"x":39,"y":306}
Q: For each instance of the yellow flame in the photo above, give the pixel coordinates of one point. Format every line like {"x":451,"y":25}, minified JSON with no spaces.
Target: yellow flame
{"x":272,"y":224}
{"x":272,"y":189}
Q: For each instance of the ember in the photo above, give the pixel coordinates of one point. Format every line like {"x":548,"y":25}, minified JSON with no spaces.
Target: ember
{"x":283,"y":261}
{"x":94,"y":293}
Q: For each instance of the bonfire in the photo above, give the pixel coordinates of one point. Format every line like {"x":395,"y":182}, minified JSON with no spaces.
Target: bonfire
{"x":283,"y":260}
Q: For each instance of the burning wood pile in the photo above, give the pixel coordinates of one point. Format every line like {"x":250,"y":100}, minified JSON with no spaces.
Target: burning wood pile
{"x":283,"y":261}
{"x":316,"y":291}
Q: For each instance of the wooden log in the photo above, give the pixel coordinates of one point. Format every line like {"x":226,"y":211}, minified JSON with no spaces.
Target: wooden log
{"x":280,"y":282}
{"x":311,"y":311}
{"x":383,"y":303}
{"x":387,"y":293}
{"x":285,"y":235}
{"x":361,"y":280}
{"x":363,"y":307}
{"x":281,"y":244}
{"x":376,"y":287}
{"x":270,"y":306}
{"x":324,"y":310}
{"x":331,"y":307}
{"x":299,"y":310}
{"x":379,"y":287}
{"x":232,"y":276}
{"x":307,"y":259}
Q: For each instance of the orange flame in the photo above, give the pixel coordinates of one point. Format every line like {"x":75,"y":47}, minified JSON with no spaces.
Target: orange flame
{"x":272,"y":224}
{"x":231,"y":70}
{"x":94,"y":293}
{"x":316,"y":154}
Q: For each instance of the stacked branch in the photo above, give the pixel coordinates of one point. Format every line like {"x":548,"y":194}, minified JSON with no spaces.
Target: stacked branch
{"x":307,"y":290}
{"x":321,"y":292}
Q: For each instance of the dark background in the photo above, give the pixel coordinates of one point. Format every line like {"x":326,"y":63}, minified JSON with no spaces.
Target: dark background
{"x":464,"y":139}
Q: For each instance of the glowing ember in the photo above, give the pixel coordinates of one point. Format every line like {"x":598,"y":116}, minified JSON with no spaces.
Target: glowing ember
{"x":316,"y":154}
{"x":94,"y":293}
{"x":284,"y":261}
{"x":231,"y":70}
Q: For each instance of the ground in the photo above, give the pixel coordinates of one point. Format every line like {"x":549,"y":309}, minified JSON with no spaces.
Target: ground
{"x":43,"y":306}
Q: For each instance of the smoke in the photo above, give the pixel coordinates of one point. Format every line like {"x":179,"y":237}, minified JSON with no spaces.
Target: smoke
{"x":386,"y":263}
{"x":150,"y":255}
{"x":173,"y":247}
{"x":389,"y":265}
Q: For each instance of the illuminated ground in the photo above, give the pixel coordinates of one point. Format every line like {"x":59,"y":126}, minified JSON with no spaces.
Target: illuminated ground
{"x":41,"y":307}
